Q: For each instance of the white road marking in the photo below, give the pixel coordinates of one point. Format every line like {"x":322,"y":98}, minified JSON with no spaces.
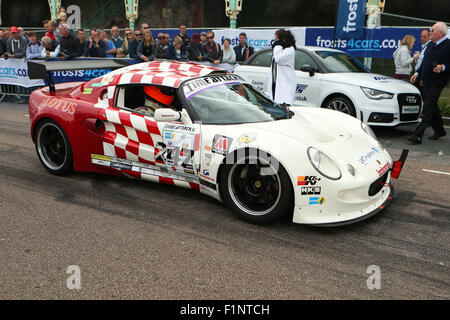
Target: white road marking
{"x":440,"y":172}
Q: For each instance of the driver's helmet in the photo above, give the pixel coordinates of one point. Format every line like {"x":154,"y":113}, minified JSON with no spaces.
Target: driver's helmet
{"x":155,"y":98}
{"x":162,"y":96}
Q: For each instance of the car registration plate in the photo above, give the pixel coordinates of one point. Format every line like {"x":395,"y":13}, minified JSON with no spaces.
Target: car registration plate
{"x":410,"y":109}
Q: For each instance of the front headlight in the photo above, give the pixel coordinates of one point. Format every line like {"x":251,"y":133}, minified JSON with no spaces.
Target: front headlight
{"x":367,"y":129}
{"x":376,"y":94}
{"x":323,"y":164}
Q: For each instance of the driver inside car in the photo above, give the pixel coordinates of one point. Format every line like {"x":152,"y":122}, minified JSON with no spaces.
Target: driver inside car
{"x":156,"y":98}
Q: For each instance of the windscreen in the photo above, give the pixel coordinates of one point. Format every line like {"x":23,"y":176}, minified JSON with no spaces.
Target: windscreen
{"x":340,"y":62}
{"x":226,"y":99}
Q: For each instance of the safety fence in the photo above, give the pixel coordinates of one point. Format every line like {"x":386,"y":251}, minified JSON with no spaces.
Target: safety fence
{"x":14,"y":93}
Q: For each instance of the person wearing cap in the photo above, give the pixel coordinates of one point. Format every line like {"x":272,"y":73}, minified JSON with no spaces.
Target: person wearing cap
{"x":194,"y":49}
{"x":203,"y":38}
{"x":16,"y":45}
{"x":162,"y":47}
{"x":156,"y":98}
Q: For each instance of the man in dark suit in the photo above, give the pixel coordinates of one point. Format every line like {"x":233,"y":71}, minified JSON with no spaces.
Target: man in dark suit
{"x":435,"y":74}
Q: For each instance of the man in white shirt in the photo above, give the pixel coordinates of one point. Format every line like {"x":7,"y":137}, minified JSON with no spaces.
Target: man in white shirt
{"x":51,"y":48}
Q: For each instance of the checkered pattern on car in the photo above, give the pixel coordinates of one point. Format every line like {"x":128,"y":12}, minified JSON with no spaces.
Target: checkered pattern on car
{"x":134,"y":137}
{"x":167,"y":73}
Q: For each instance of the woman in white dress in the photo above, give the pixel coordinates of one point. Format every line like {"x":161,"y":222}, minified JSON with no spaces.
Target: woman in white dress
{"x":282,"y":82}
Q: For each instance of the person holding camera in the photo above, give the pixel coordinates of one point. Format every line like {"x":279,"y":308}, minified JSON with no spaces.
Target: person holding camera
{"x":282,"y":81}
{"x":70,"y":47}
{"x":95,"y":47}
{"x":16,"y":45}
{"x":435,"y":74}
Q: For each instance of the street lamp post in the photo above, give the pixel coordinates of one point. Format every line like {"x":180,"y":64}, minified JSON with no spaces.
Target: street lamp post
{"x":232,"y":9}
{"x":373,"y":9}
{"x":131,"y":9}
{"x":54,"y":8}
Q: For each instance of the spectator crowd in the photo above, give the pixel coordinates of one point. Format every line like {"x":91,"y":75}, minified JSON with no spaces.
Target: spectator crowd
{"x":60,"y":41}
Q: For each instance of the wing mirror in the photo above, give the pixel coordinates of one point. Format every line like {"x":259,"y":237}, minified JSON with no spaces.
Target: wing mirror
{"x":309,"y":69}
{"x":166,"y":115}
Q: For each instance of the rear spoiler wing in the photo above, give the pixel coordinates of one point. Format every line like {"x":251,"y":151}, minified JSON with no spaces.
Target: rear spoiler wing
{"x":42,"y":69}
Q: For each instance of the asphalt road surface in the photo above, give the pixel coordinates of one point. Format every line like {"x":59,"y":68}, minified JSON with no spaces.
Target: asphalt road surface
{"x":138,"y":240}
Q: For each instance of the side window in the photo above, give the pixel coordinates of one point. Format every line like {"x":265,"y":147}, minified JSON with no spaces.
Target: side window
{"x":262,"y":59}
{"x":130,"y":97}
{"x":301,"y":58}
{"x":145,"y":99}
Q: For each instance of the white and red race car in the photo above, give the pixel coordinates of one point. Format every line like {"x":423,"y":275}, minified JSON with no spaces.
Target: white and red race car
{"x":199,"y":127}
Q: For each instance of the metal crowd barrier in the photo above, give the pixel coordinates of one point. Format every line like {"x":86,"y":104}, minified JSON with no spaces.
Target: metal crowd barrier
{"x":14,"y":93}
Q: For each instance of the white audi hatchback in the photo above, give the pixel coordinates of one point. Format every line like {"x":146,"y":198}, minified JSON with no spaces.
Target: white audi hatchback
{"x":333,"y":79}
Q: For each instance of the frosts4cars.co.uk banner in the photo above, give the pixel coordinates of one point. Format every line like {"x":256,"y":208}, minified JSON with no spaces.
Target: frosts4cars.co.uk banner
{"x":375,"y":43}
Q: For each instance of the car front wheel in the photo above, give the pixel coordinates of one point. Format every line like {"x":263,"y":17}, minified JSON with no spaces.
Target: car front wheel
{"x":53,"y":148}
{"x":257,"y":189}
{"x":341,"y":104}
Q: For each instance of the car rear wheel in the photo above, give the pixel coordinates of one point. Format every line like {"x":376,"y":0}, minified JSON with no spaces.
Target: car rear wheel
{"x":258,"y":190}
{"x":53,"y":148}
{"x":341,"y":104}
